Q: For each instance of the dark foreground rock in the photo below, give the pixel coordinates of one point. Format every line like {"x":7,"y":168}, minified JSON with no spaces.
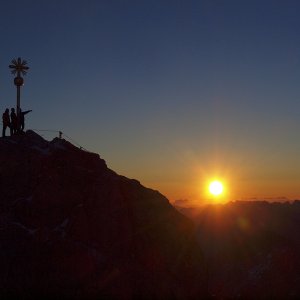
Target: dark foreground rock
{"x":72,"y":228}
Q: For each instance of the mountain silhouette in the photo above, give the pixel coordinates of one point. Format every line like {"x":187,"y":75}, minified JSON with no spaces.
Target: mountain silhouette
{"x":71,"y":228}
{"x":251,"y":248}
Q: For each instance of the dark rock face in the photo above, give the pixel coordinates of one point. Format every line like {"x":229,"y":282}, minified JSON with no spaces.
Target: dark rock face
{"x":72,"y":228}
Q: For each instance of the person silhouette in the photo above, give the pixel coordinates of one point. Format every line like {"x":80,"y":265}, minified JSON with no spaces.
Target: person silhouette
{"x":22,"y":118}
{"x":6,"y":122}
{"x":14,"y":121}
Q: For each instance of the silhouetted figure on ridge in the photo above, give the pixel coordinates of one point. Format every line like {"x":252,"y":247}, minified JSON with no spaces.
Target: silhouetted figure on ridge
{"x":22,"y":118}
{"x":6,"y":122}
{"x":14,"y":121}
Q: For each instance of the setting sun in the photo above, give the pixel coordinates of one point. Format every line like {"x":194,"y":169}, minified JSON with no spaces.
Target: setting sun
{"x":216,"y":188}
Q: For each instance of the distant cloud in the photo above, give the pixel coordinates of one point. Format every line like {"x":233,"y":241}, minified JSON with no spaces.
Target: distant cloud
{"x":270,"y":199}
{"x":185,"y":203}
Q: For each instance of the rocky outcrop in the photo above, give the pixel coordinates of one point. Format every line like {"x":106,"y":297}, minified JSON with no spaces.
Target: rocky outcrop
{"x":73,"y":228}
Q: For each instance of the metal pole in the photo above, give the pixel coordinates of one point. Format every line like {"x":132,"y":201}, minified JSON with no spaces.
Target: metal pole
{"x":18,"y":104}
{"x":18,"y":100}
{"x":18,"y":67}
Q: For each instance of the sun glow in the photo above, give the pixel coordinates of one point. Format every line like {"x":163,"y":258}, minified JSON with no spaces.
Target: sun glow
{"x":216,"y":188}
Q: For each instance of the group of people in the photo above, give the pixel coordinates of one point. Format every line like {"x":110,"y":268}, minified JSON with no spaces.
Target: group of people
{"x":15,"y":122}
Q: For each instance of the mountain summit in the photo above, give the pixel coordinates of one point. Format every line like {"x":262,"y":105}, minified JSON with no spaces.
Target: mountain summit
{"x":73,"y":228}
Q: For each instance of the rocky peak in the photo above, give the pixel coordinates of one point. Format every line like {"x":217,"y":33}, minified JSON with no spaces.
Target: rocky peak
{"x":71,"y":227}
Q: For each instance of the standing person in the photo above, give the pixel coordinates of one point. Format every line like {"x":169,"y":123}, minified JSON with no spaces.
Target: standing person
{"x":14,"y":121}
{"x":6,"y":122}
{"x":22,"y":118}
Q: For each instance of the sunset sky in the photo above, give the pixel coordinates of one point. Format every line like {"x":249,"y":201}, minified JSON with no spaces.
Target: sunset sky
{"x":172,"y":93}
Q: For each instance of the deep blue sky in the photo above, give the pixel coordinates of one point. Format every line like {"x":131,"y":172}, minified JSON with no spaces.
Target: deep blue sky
{"x":172,"y":93}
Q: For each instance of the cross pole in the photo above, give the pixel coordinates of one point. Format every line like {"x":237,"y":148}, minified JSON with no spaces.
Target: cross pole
{"x":19,"y":67}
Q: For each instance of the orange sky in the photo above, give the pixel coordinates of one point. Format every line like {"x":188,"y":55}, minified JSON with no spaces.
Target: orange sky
{"x":189,"y":178}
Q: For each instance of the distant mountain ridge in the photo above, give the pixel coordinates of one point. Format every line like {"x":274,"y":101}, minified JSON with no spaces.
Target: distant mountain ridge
{"x":252,"y":249}
{"x":72,"y":228}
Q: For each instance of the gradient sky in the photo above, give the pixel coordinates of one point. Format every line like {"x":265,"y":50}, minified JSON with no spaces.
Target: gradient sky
{"x":171,"y":93}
